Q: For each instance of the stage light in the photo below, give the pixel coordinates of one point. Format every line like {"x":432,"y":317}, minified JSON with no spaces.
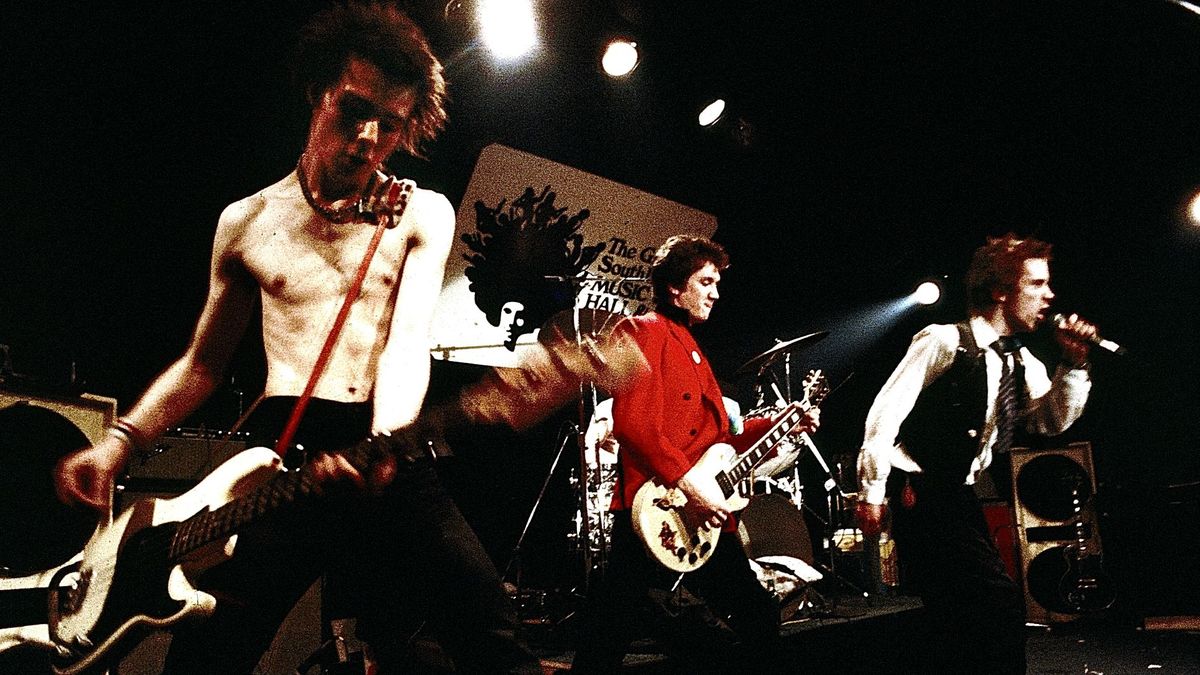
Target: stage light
{"x":711,"y":113}
{"x":927,"y":293}
{"x":1194,"y":209}
{"x":620,"y":58}
{"x":507,"y":27}
{"x":1189,"y":6}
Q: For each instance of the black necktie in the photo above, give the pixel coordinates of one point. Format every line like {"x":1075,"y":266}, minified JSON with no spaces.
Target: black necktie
{"x":1006,"y":397}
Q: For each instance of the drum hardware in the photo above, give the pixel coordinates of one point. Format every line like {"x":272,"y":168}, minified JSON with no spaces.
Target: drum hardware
{"x":775,"y":536}
{"x":835,"y":503}
{"x":515,"y":561}
{"x":812,"y":603}
{"x":598,"y":494}
{"x":575,"y":323}
{"x":767,"y":358}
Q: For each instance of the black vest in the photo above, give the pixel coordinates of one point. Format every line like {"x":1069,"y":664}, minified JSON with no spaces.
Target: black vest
{"x":942,"y":433}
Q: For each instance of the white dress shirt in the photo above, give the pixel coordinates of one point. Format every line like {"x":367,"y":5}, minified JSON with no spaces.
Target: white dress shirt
{"x":1050,"y":405}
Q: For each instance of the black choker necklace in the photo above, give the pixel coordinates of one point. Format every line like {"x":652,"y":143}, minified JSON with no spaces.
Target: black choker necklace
{"x":339,"y":216}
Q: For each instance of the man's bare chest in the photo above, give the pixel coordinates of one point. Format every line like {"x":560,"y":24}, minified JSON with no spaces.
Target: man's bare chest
{"x":311,"y":260}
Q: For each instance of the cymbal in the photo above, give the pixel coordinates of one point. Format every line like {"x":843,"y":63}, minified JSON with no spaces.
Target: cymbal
{"x":768,"y":357}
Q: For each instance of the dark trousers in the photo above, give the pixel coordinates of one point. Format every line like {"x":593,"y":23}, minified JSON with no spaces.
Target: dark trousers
{"x":976,"y":613}
{"x":405,"y":552}
{"x":620,"y":611}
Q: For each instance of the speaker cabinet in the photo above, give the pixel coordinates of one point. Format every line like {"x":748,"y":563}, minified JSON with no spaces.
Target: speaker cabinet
{"x":38,"y":532}
{"x":1054,"y":494}
{"x":89,"y":413}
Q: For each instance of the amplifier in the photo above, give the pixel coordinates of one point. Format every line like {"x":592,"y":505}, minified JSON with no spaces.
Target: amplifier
{"x":179,"y":459}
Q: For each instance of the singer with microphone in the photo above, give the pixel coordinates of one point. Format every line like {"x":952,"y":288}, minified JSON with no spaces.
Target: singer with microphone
{"x":949,"y":408}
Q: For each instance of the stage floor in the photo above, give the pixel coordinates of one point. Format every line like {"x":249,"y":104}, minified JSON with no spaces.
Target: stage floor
{"x":850,"y":635}
{"x":857,"y":635}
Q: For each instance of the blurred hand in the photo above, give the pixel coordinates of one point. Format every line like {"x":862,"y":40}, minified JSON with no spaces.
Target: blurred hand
{"x":329,"y":468}
{"x":86,"y":476}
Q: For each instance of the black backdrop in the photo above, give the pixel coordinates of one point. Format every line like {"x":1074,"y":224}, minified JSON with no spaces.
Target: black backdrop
{"x":886,"y":142}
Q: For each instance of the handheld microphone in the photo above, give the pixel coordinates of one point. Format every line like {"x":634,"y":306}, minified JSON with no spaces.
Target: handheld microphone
{"x":1060,"y":321}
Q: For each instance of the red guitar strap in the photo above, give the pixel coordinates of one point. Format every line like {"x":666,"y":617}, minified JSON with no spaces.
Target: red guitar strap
{"x":289,"y":431}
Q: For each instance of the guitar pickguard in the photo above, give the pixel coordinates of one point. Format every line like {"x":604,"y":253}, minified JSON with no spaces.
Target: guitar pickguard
{"x":128,"y":582}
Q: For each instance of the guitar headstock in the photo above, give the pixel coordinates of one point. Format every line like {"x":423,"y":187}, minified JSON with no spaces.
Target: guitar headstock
{"x":549,"y":375}
{"x":815,"y":387}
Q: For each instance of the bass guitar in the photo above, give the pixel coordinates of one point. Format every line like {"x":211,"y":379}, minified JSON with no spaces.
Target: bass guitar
{"x":135,"y":574}
{"x":658,"y":510}
{"x":23,"y":605}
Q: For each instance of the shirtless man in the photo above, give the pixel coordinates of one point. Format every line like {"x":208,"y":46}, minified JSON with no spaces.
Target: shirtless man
{"x":375,"y":87}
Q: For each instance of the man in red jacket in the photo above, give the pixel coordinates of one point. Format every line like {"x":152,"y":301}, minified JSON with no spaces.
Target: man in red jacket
{"x":664,"y":423}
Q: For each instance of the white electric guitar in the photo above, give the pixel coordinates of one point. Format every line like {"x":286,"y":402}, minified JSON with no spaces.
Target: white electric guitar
{"x":136,"y":572}
{"x":658,"y":510}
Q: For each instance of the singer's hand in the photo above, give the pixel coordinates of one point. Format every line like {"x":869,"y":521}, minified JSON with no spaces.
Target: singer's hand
{"x":1074,"y":335}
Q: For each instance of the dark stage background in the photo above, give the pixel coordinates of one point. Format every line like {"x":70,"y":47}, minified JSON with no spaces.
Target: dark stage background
{"x":885,"y":142}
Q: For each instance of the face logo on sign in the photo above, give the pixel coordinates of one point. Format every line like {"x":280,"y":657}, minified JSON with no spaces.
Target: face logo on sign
{"x":523,"y":258}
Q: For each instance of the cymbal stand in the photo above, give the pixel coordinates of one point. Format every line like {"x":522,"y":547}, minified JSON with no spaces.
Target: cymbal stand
{"x":587,"y":478}
{"x":516,"y":558}
{"x":787,"y":373}
{"x":764,"y":370}
{"x":590,"y":528}
{"x":587,"y":403}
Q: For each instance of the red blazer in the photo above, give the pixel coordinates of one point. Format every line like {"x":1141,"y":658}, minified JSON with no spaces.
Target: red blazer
{"x":670,"y":415}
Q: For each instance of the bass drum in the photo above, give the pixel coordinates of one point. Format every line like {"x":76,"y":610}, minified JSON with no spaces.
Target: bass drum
{"x":772,"y":526}
{"x":775,"y":538}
